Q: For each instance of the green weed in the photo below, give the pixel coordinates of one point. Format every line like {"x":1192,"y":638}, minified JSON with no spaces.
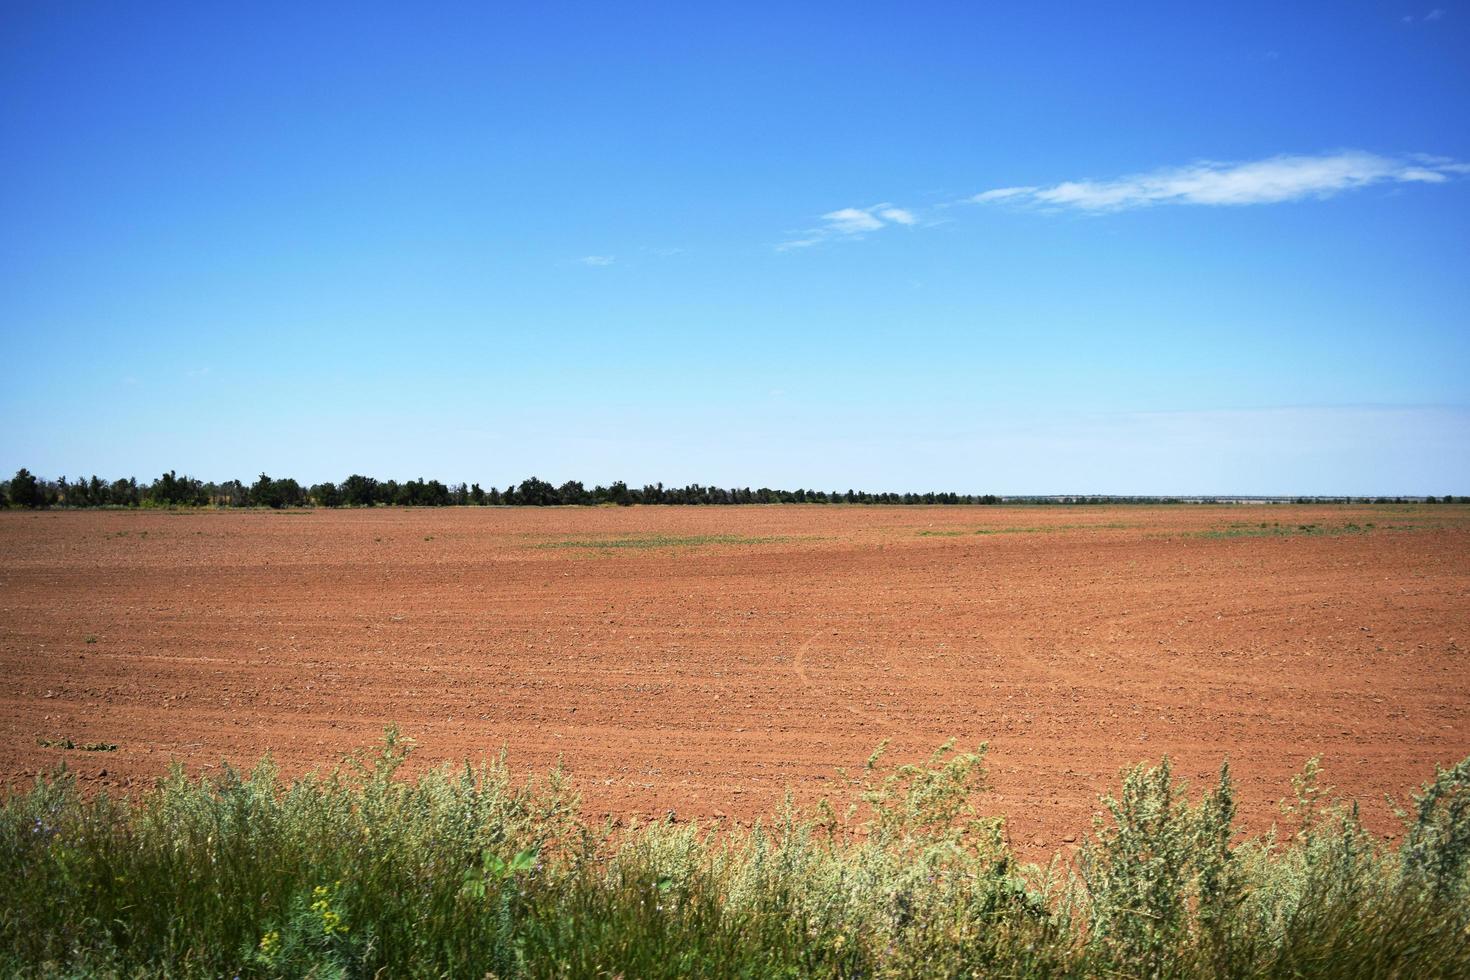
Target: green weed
{"x":470,"y":872}
{"x":67,"y":743}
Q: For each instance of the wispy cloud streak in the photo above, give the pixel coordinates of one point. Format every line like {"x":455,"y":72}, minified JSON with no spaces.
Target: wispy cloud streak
{"x":1274,"y":180}
{"x":1271,"y":181}
{"x":851,"y":223}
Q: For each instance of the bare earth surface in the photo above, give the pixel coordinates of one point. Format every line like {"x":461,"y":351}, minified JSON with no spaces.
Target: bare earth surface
{"x":705,"y":660}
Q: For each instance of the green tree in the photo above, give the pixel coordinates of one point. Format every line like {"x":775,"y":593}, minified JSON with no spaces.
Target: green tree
{"x":326,"y":495}
{"x":25,"y":490}
{"x":536,"y":493}
{"x":276,"y":494}
{"x":172,"y":490}
{"x":359,"y":491}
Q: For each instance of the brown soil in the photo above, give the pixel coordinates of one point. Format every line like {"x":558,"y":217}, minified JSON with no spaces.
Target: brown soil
{"x":716,"y":657}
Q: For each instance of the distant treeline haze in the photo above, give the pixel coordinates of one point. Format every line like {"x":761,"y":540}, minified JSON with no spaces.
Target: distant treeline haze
{"x":171,"y":490}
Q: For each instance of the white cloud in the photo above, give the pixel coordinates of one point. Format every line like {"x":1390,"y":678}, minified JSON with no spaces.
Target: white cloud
{"x":1270,"y":181}
{"x":851,"y":223}
{"x":598,"y":260}
{"x":1434,"y":14}
{"x":1423,"y":176}
{"x":1273,"y":180}
{"x":1001,"y":193}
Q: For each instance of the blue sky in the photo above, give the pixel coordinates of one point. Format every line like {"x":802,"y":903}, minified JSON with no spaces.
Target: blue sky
{"x":1021,"y":248}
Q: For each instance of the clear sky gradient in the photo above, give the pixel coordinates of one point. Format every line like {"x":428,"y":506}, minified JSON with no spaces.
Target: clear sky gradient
{"x":1125,"y":248}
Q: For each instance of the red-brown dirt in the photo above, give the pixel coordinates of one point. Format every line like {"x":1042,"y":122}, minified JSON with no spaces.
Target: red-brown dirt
{"x":718,"y":656}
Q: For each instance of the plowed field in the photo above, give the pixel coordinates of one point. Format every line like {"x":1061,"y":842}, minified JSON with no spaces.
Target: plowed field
{"x":705,"y":660}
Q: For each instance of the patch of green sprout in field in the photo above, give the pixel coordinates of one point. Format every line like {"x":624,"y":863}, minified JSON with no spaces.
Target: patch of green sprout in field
{"x":471,"y":872}
{"x":1275,"y":529}
{"x":67,"y":743}
{"x":1029,"y":530}
{"x":1013,"y":530}
{"x":661,"y":541}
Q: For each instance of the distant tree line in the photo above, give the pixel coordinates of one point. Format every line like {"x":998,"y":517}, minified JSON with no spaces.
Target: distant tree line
{"x":171,"y":490}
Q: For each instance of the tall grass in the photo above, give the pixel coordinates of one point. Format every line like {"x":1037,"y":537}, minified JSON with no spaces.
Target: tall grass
{"x":470,"y":873}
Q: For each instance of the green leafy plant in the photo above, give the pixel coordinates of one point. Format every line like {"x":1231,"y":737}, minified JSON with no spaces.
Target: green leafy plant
{"x":469,"y":871}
